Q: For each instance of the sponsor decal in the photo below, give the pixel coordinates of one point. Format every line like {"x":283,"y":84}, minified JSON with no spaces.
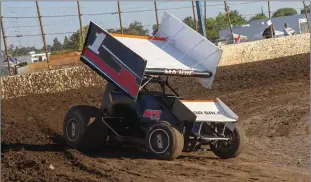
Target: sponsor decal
{"x":152,"y":114}
{"x":206,"y":112}
{"x":177,"y":72}
{"x":99,"y":54}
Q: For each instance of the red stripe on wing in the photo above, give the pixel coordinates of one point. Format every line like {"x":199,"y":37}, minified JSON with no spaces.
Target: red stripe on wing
{"x":125,"y":78}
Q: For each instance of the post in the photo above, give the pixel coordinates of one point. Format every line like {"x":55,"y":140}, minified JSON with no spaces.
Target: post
{"x":205,"y":19}
{"x":4,"y":41}
{"x":306,"y":14}
{"x":270,"y":18}
{"x":43,"y":34}
{"x":195,"y":21}
{"x":156,"y":13}
{"x":229,"y":21}
{"x":202,"y":29}
{"x":80,"y":21}
{"x":120,"y":18}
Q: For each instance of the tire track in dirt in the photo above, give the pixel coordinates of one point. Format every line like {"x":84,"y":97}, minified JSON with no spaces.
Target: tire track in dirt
{"x":74,"y":161}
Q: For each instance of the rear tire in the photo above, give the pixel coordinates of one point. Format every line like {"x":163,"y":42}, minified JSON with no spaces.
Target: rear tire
{"x":164,"y":141}
{"x":235,"y":148}
{"x":80,"y":132}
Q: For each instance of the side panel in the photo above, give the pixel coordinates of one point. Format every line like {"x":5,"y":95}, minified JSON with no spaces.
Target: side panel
{"x":152,"y":111}
{"x":171,"y":109}
{"x":113,"y":60}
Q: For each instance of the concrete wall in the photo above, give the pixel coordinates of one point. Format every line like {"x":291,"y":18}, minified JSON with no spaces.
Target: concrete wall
{"x":265,"y":49}
{"x":49,"y":82}
{"x":81,"y":77}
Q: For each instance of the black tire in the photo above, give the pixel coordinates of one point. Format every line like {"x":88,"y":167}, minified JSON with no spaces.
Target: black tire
{"x":235,"y":148}
{"x":173,"y":141}
{"x":90,"y":135}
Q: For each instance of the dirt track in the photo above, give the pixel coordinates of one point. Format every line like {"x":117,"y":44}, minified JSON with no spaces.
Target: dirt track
{"x":271,"y":98}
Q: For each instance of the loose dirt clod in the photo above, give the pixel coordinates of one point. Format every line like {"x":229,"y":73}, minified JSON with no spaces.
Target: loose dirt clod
{"x":51,"y":167}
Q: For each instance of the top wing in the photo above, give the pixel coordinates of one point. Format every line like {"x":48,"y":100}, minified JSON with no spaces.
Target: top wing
{"x":204,"y":55}
{"x":162,"y":58}
{"x":176,"y":49}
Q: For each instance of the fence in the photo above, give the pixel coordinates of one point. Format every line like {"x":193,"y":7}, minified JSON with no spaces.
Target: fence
{"x":46,"y":27}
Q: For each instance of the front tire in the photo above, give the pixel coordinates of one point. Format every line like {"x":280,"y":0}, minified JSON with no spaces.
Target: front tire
{"x":164,"y":141}
{"x":231,"y":148}
{"x":80,"y":132}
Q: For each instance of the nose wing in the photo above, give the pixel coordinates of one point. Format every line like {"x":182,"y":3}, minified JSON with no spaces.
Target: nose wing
{"x":211,"y":111}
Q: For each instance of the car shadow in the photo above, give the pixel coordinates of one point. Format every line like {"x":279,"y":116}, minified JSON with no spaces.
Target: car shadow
{"x":57,"y":145}
{"x":119,"y":152}
{"x":110,"y":151}
{"x":195,"y":157}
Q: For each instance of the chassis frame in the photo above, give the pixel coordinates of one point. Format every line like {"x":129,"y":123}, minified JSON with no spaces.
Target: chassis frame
{"x":193,"y":133}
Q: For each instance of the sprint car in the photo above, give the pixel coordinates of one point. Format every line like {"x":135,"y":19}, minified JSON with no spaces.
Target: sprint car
{"x":139,"y":106}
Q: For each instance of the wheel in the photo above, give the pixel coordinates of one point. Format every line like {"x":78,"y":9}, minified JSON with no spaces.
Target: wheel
{"x":231,"y":148}
{"x":164,"y":141}
{"x":83,"y":128}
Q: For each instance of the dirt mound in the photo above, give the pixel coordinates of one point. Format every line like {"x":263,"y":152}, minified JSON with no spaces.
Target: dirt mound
{"x":271,"y":98}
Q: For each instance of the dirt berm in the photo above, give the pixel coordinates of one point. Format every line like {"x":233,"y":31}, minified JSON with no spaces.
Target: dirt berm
{"x":271,"y":98}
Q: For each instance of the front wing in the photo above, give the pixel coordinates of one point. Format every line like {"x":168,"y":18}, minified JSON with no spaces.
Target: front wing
{"x":210,"y":111}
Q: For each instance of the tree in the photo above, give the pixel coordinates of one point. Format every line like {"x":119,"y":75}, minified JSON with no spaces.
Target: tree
{"x":214,"y":25}
{"x":75,"y":42}
{"x":67,"y":44}
{"x":284,"y":12}
{"x":20,"y":51}
{"x":190,"y":22}
{"x":212,"y":31}
{"x":258,"y":16}
{"x":57,"y":46}
{"x":235,"y":17}
{"x":135,"y":28}
{"x":302,"y":11}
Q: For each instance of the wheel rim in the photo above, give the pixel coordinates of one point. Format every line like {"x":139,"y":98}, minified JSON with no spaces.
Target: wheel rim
{"x":72,"y":129}
{"x":230,"y":144}
{"x":159,"y":141}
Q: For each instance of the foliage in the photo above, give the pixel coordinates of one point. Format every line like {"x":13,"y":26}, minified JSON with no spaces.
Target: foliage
{"x":57,"y":46}
{"x":235,"y":17}
{"x":190,"y":22}
{"x":258,"y":16}
{"x":214,"y":25}
{"x":20,"y":51}
{"x":212,"y":30}
{"x":135,"y":28}
{"x":74,"y":42}
{"x":66,"y":44}
{"x":302,"y":11}
{"x":284,"y":12}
